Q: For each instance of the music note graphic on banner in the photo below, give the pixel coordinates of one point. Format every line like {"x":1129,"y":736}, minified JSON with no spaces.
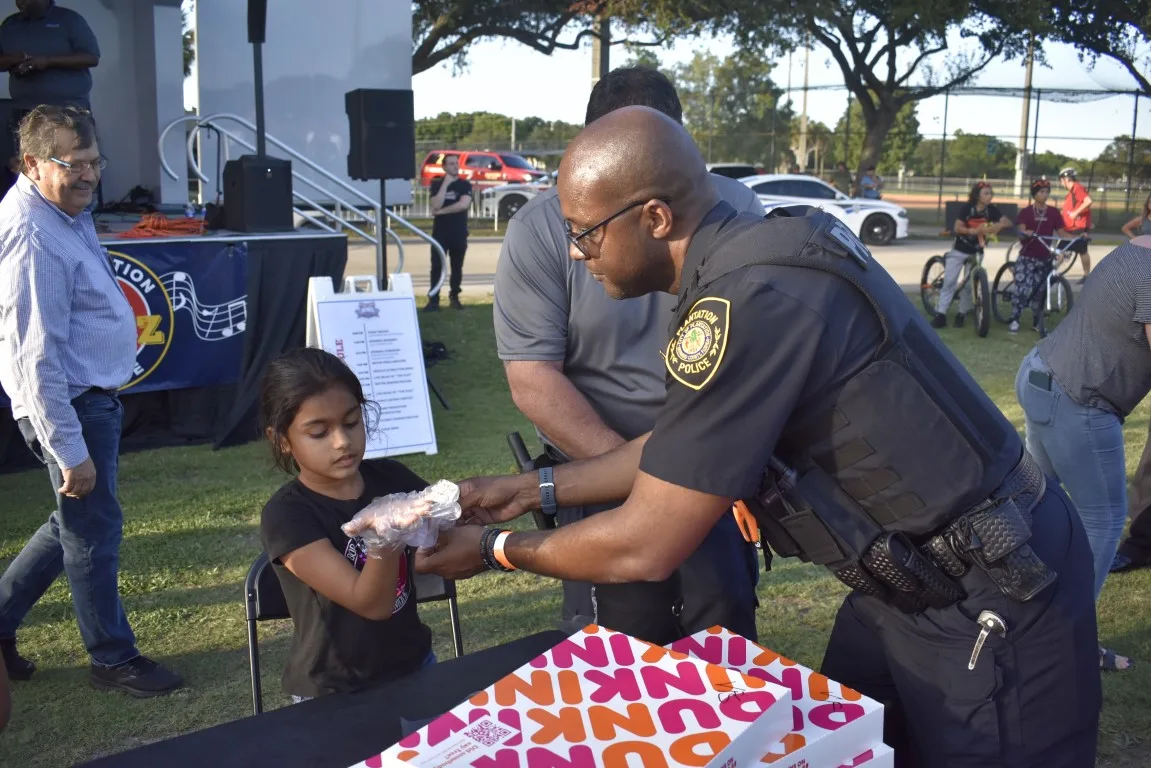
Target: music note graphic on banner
{"x":212,"y":322}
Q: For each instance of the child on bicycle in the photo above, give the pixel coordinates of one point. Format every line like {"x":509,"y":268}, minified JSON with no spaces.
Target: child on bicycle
{"x":1034,"y":262}
{"x":977,"y":220}
{"x":353,"y":609}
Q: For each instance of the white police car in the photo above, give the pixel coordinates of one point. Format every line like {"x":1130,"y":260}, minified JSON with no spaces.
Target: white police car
{"x":875,"y":222}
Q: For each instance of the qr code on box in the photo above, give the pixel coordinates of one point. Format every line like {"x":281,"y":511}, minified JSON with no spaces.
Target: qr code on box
{"x":487,"y":732}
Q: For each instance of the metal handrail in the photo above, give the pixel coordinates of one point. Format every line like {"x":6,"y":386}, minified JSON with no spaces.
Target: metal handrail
{"x":381,"y":215}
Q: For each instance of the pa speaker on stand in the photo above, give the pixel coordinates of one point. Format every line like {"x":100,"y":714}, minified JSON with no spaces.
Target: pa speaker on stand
{"x":382,"y":145}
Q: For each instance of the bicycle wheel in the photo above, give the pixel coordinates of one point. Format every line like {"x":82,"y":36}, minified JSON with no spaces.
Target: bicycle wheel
{"x":1060,"y":303}
{"x":981,"y":296}
{"x":932,"y":283}
{"x":1003,"y":292}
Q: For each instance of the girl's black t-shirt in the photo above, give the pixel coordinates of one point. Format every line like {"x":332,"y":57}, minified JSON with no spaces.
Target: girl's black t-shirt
{"x":334,"y":649}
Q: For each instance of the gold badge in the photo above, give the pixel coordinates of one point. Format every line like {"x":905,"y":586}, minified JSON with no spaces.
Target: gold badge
{"x":696,"y":349}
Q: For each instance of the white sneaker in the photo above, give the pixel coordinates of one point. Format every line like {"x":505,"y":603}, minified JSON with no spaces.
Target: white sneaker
{"x":1014,"y":327}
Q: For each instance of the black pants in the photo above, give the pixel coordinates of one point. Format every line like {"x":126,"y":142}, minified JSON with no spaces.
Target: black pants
{"x":1033,"y":699}
{"x":1138,"y":543}
{"x":455,"y":246}
{"x":715,"y":586}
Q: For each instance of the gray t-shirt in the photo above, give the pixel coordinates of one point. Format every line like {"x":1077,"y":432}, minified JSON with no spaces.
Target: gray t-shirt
{"x":58,"y":32}
{"x":1099,"y":354}
{"x":548,"y":307}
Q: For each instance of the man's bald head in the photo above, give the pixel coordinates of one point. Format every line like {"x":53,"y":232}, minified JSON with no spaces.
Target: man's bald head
{"x":634,"y":153}
{"x":633,"y":188}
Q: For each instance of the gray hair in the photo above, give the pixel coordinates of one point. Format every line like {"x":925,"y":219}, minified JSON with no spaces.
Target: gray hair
{"x":38,"y":130}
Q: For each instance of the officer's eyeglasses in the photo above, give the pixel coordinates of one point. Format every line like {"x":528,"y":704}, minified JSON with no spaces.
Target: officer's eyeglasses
{"x":577,"y":238}
{"x":78,"y":167}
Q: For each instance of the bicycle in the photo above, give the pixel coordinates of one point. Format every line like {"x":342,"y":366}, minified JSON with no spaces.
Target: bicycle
{"x":932,"y":283}
{"x":1057,"y":295}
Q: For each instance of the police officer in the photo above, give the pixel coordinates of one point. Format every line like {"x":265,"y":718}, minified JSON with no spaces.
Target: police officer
{"x":802,"y":383}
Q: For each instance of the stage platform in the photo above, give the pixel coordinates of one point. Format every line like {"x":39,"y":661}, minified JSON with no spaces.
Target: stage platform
{"x":211,"y":312}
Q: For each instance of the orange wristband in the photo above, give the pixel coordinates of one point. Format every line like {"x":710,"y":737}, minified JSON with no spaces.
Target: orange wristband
{"x":498,"y":550}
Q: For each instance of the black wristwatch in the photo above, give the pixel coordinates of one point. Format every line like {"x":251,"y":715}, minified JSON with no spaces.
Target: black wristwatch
{"x":547,"y":491}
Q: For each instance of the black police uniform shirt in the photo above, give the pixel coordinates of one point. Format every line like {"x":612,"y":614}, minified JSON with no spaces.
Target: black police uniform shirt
{"x":972,"y":217}
{"x":755,"y":349}
{"x":451,"y":225}
{"x":334,"y":649}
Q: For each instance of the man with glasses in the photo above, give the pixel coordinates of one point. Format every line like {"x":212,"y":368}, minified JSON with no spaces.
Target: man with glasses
{"x":587,"y":371}
{"x":799,"y":379}
{"x":67,"y":344}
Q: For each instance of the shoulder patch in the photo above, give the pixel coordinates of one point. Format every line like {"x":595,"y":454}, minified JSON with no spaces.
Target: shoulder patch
{"x":696,"y":349}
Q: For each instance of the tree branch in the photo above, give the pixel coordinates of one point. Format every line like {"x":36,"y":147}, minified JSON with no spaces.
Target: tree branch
{"x":1140,"y":79}
{"x":851,"y":78}
{"x":918,"y":94}
{"x":915,"y":64}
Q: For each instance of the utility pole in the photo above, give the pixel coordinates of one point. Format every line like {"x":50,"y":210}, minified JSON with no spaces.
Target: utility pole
{"x":601,"y":49}
{"x":513,"y":134}
{"x":803,"y":116}
{"x":1021,"y":152}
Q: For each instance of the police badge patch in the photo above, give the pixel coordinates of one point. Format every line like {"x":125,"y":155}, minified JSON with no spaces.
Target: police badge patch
{"x":696,"y":349}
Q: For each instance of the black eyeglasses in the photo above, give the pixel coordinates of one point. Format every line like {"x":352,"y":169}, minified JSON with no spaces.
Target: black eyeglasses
{"x":78,"y":167}
{"x":576,"y":238}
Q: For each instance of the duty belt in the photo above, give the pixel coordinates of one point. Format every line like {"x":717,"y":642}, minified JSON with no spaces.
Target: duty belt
{"x":991,"y":536}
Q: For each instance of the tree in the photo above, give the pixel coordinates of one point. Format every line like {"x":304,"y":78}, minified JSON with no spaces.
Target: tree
{"x":900,"y":148}
{"x":1115,"y":29}
{"x":445,"y":29}
{"x":188,"y":38}
{"x":1113,"y":162}
{"x":878,"y":45}
{"x":969,"y":155}
{"x":732,"y":109}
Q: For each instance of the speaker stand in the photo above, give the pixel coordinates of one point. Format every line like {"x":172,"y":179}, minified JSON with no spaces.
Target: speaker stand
{"x":436,"y":391}
{"x":382,"y":233}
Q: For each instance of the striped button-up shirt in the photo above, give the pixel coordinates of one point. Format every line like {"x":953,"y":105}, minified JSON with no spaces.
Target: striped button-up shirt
{"x":65,"y":327}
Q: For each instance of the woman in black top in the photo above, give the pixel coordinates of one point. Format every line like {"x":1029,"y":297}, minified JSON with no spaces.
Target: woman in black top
{"x":353,"y":608}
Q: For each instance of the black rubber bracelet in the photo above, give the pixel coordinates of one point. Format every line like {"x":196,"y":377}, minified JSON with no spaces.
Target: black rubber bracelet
{"x":547,"y":491}
{"x":488,"y":550}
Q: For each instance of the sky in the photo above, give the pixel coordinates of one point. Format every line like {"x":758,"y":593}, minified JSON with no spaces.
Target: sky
{"x":506,"y":77}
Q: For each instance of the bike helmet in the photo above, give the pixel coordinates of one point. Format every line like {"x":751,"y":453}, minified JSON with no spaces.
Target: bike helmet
{"x":1039,"y":184}
{"x":1067,"y":173}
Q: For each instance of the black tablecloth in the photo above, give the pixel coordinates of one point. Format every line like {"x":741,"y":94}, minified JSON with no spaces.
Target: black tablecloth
{"x":341,"y":730}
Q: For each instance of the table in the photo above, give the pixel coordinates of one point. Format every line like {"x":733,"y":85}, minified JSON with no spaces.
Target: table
{"x":339,"y":730}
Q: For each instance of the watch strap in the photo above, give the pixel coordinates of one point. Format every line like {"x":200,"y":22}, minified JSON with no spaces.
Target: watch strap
{"x":547,"y":491}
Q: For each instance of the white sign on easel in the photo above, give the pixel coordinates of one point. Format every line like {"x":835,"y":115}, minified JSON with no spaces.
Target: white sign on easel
{"x":376,"y":333}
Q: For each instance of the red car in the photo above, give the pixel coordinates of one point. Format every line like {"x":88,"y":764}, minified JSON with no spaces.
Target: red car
{"x":482,"y":167}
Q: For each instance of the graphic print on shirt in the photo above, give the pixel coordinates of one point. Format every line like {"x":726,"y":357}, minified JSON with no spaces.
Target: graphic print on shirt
{"x":357,"y":554}
{"x":152,"y":306}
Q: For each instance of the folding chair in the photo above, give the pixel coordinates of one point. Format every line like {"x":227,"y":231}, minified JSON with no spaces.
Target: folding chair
{"x":264,"y":599}
{"x":431,"y":588}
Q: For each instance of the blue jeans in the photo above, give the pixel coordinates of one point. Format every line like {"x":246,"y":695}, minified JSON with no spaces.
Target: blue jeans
{"x":80,"y":539}
{"x":1082,"y":448}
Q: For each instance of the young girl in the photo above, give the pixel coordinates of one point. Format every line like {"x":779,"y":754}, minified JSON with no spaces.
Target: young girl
{"x":1141,"y":224}
{"x":976,"y":220}
{"x":1036,"y":220}
{"x":353,"y":610}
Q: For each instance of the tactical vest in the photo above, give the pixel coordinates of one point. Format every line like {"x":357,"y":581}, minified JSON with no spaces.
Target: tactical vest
{"x":908,"y":443}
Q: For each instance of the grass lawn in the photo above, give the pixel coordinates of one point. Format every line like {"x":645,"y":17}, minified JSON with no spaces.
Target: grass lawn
{"x":191,"y":533}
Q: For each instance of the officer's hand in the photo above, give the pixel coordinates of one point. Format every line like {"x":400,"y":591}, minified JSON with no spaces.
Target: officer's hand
{"x":491,"y":500}
{"x":79,"y":480}
{"x":456,"y":554}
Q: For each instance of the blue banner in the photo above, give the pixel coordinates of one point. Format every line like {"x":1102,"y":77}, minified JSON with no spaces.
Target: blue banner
{"x":191,"y":306}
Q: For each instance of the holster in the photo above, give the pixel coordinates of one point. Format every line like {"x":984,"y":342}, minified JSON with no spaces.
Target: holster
{"x":994,"y":540}
{"x":820,"y":523}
